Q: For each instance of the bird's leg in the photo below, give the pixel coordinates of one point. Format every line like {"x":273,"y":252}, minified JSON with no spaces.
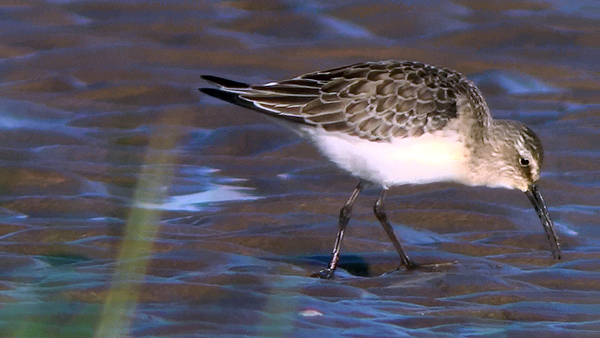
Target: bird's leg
{"x":343,"y":222}
{"x":382,"y":217}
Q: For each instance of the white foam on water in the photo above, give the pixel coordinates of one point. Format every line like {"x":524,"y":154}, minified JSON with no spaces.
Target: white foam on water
{"x":516,"y":83}
{"x":196,"y":201}
{"x":345,"y":28}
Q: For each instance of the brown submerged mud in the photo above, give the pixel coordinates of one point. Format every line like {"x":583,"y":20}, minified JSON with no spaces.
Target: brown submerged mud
{"x":102,"y":130}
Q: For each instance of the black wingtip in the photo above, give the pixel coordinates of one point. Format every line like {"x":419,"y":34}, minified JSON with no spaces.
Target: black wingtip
{"x":219,"y":81}
{"x":237,"y":100}
{"x":229,"y":97}
{"x":221,"y":94}
{"x":226,"y":95}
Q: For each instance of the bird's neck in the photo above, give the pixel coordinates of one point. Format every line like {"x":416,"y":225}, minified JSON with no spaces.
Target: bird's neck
{"x":484,"y":154}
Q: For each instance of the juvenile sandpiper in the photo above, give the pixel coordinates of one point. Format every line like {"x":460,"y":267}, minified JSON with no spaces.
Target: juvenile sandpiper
{"x":400,"y":122}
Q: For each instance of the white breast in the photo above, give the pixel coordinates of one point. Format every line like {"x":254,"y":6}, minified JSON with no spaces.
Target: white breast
{"x":411,"y":160}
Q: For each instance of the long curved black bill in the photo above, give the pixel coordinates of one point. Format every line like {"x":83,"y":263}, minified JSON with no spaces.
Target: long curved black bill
{"x":538,"y":203}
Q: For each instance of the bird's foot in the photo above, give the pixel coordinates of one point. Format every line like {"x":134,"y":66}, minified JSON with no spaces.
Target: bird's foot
{"x":323,"y":274}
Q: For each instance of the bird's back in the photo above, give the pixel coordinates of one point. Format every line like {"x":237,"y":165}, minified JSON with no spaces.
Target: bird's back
{"x":377,"y":101}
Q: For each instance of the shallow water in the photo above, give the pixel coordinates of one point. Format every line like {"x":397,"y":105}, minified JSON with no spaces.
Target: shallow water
{"x":130,"y":203}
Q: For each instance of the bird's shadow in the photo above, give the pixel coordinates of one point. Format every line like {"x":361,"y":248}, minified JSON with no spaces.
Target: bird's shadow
{"x":364,"y":265}
{"x":353,"y":264}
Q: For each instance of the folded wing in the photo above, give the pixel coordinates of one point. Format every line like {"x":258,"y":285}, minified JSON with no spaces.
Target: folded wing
{"x":374,"y":100}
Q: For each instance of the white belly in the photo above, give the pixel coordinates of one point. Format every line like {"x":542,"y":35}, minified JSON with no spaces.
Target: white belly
{"x":411,"y":160}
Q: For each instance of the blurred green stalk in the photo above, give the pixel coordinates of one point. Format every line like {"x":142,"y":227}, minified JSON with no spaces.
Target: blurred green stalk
{"x":136,"y":249}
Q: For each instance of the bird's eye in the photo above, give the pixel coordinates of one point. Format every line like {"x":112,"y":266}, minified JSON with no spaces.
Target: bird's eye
{"x":523,"y":161}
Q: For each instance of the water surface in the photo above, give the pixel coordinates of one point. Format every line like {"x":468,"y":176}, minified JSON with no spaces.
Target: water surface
{"x":130,"y":203}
